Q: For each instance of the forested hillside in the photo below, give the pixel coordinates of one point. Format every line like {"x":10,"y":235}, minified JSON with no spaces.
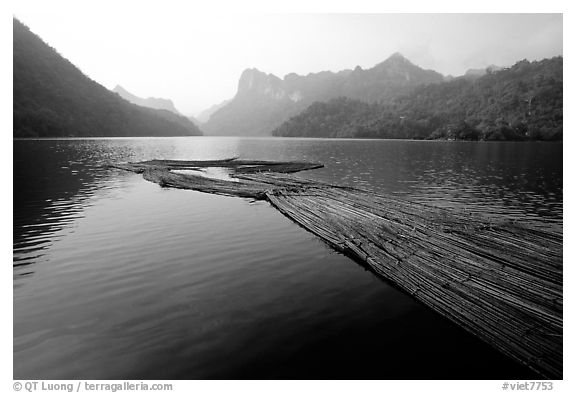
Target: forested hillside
{"x":264,"y":101}
{"x":523,"y":102}
{"x":53,"y":98}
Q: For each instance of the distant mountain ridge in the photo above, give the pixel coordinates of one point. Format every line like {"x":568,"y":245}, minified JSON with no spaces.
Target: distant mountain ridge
{"x":53,"y":98}
{"x":263,"y":101}
{"x":205,"y":115}
{"x":523,"y":102}
{"x":478,"y":72}
{"x":150,"y":102}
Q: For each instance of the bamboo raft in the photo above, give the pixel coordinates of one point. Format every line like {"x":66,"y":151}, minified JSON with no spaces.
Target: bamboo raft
{"x":499,"y":279}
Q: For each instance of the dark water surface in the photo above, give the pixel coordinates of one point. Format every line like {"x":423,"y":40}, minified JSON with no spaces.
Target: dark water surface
{"x":115,"y":277}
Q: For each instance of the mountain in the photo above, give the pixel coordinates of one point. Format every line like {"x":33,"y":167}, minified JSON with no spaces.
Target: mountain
{"x":194,"y":121}
{"x":154,"y":103}
{"x":478,"y":72}
{"x":53,"y":98}
{"x":260,"y":104}
{"x":385,"y":81}
{"x":523,"y":102}
{"x":204,"y":116}
{"x":263,"y":101}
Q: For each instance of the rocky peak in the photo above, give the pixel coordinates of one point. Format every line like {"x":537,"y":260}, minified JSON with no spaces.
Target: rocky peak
{"x":118,"y":89}
{"x":150,"y":102}
{"x":397,"y":67}
{"x":397,"y":56}
{"x":396,"y":60}
{"x":257,"y":83}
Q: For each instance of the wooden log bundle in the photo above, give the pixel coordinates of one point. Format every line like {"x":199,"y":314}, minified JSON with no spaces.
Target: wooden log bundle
{"x":497,"y":278}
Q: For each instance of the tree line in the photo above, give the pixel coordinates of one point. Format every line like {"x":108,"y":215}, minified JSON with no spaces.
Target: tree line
{"x":53,"y":98}
{"x":523,"y":102}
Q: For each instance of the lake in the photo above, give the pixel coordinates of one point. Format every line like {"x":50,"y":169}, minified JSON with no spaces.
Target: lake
{"x":118,"y":278}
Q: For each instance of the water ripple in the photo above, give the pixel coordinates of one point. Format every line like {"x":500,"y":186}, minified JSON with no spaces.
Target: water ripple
{"x":115,"y":277}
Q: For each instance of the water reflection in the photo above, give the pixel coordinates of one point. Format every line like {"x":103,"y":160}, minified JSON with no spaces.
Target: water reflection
{"x":137,"y":281}
{"x":50,"y":187}
{"x":519,"y":179}
{"x":54,"y":181}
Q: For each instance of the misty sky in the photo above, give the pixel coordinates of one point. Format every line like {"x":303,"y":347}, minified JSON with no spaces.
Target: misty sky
{"x":196,"y":59}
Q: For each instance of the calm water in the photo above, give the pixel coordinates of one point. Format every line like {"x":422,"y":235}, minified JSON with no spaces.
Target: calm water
{"x":115,"y":277}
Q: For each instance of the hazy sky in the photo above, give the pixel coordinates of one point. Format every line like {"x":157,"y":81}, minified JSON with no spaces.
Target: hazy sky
{"x":195,"y":58}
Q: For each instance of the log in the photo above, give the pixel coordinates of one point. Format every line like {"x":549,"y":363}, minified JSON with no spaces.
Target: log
{"x":499,"y":279}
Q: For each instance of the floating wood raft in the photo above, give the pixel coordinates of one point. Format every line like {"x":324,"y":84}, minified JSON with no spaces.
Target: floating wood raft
{"x":497,"y":278}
